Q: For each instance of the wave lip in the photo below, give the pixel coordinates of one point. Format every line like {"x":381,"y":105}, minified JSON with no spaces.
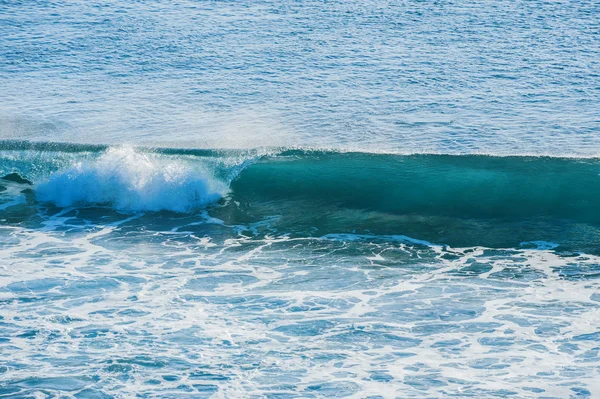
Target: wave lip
{"x":129,"y":180}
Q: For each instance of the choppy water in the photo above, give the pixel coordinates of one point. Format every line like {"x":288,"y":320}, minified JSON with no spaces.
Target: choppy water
{"x":288,"y":199}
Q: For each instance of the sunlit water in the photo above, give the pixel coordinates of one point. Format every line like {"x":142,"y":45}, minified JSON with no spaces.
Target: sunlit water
{"x":498,"y":77}
{"x":277,"y":268}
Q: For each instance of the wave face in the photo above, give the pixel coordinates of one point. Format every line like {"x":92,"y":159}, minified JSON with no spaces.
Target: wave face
{"x":435,"y":185}
{"x":455,"y":200}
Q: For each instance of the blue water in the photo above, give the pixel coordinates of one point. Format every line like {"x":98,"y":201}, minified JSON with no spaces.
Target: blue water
{"x":381,"y":199}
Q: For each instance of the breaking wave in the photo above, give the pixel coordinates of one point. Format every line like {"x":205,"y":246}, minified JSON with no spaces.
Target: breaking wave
{"x":458,"y":200}
{"x":133,"y":181}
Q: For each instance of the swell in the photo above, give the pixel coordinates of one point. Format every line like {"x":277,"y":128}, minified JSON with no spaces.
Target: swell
{"x":455,"y":200}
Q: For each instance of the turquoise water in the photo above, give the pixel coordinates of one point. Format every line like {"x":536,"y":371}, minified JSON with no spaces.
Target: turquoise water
{"x":299,"y":199}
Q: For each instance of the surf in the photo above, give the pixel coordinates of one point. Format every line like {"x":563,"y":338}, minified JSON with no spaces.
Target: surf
{"x":467,"y":199}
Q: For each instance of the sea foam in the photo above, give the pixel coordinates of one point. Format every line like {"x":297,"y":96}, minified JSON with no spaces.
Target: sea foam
{"x":131,"y":180}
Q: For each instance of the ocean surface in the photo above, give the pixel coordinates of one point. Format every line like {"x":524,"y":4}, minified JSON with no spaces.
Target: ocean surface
{"x":300,"y":199}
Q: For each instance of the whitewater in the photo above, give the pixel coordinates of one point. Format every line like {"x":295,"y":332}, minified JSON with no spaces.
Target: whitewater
{"x":394,"y":199}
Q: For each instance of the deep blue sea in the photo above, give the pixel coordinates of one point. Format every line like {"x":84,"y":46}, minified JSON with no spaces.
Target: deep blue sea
{"x":299,"y":199}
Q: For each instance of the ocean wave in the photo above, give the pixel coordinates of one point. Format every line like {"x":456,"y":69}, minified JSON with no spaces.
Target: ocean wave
{"x":456,"y":200}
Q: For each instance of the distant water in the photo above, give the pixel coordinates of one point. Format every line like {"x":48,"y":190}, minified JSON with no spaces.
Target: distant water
{"x":499,"y":77}
{"x":299,"y":199}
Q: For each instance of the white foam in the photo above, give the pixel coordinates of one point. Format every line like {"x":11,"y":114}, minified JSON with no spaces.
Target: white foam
{"x":130,"y":180}
{"x":252,"y":316}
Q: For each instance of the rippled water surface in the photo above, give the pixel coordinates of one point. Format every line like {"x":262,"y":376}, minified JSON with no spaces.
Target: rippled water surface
{"x":501,"y":77}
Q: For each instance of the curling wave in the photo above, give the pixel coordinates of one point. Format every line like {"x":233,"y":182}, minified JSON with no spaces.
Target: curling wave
{"x":456,"y":200}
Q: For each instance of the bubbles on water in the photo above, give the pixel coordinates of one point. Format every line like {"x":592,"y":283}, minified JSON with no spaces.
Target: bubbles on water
{"x":131,"y":180}
{"x":114,"y":308}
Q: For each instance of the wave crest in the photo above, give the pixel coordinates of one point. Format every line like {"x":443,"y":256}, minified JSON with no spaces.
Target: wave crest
{"x":130,"y":180}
